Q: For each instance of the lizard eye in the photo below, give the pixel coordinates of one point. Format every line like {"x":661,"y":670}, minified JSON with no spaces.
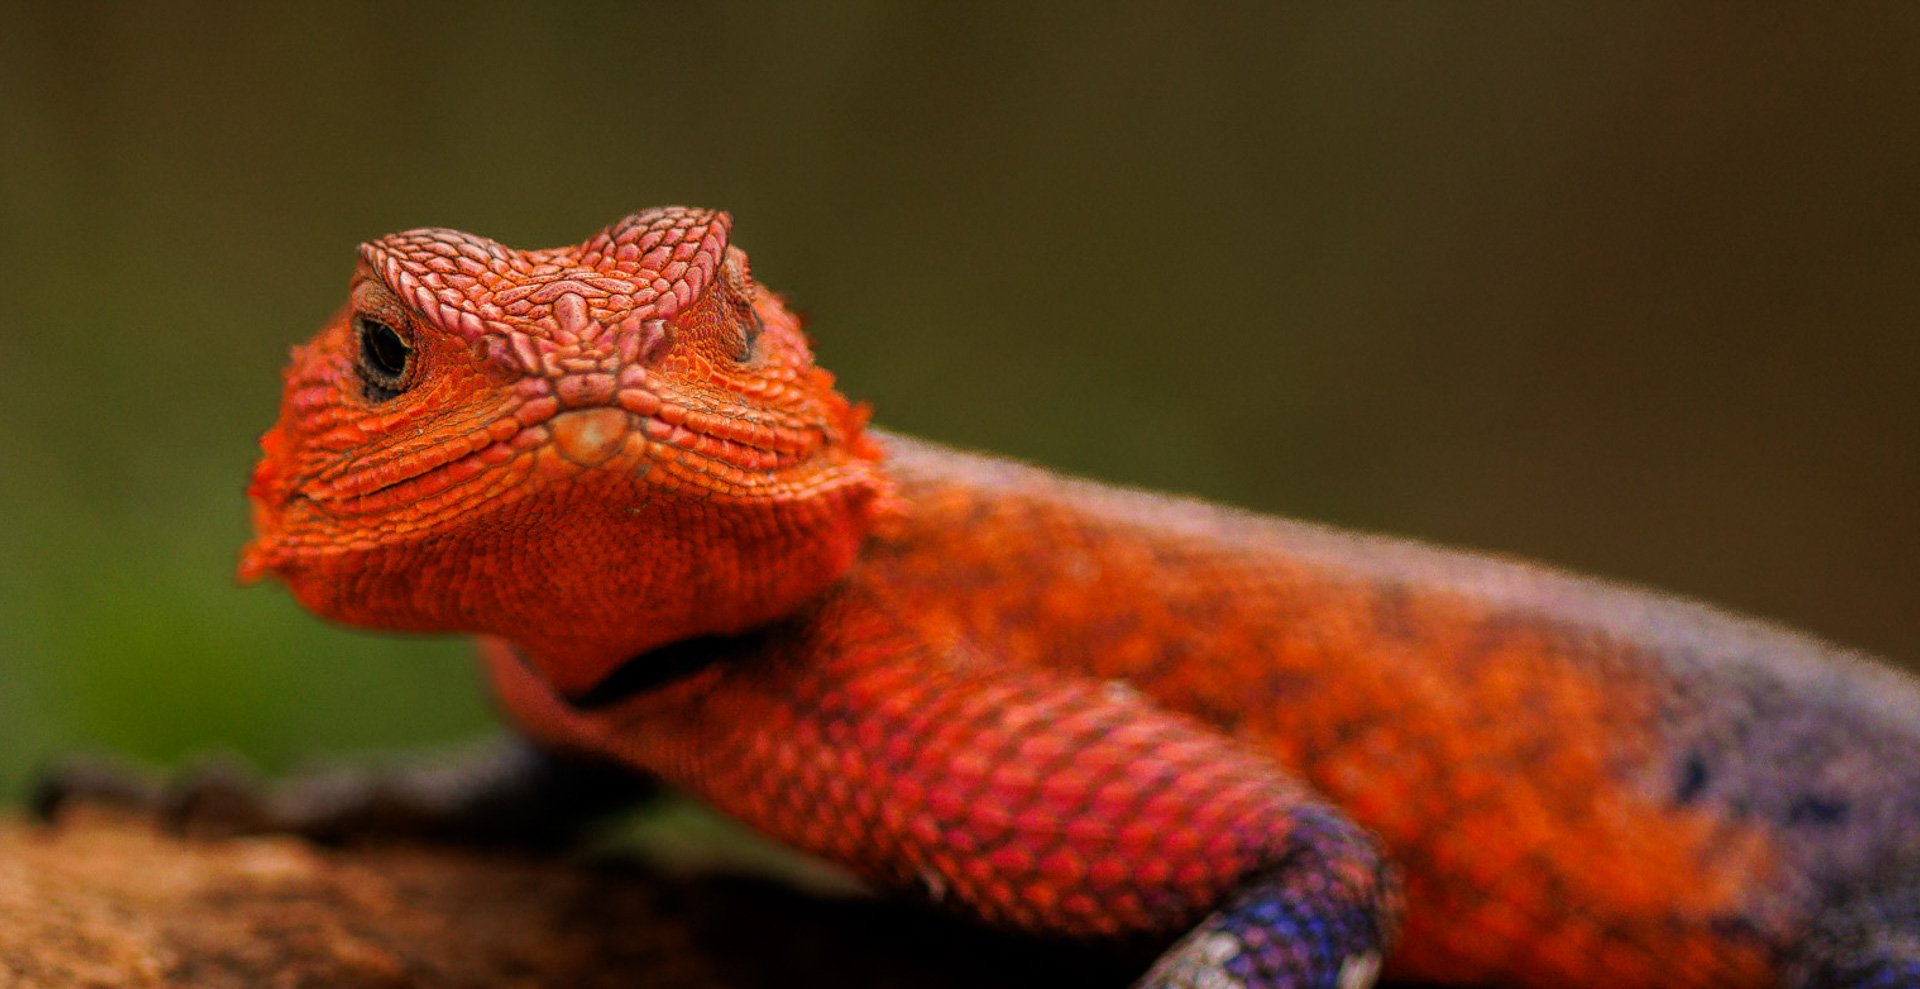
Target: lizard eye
{"x":385,"y":358}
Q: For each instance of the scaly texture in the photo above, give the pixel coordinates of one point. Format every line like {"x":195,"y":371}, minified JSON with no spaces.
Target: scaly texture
{"x":1061,"y":707}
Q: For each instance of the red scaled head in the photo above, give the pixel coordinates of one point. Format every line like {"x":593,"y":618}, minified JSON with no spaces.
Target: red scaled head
{"x":590,"y":451}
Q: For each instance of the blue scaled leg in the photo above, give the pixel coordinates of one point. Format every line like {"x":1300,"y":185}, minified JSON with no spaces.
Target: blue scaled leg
{"x":1320,"y":918}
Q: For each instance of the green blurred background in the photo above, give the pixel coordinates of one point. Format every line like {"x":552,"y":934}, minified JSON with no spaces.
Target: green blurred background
{"x":1633,"y":288}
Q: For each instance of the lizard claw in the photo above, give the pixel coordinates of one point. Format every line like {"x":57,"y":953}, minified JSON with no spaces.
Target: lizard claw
{"x":60,"y":785}
{"x":217,"y":797}
{"x":213,"y":797}
{"x":508,"y":795}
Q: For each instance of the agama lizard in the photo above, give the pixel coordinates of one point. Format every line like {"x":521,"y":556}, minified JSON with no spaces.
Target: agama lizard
{"x":1062,"y":707}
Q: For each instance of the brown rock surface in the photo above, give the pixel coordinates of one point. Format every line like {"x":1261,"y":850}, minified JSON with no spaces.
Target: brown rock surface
{"x":106,"y":901}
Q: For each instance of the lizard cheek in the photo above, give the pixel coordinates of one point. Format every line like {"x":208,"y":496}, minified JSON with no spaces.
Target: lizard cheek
{"x":265,"y":495}
{"x":589,"y":436}
{"x":262,"y":554}
{"x":266,"y":554}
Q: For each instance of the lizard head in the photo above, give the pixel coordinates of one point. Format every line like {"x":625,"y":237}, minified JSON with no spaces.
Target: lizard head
{"x":589,"y":451}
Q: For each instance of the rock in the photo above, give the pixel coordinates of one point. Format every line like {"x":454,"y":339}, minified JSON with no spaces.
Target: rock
{"x":99,"y":900}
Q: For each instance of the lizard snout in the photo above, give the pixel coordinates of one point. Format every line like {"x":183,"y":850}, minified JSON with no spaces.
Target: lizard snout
{"x":582,"y":390}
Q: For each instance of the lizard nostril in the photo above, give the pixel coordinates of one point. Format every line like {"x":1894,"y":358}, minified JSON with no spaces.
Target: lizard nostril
{"x":577,"y":390}
{"x":588,"y":437}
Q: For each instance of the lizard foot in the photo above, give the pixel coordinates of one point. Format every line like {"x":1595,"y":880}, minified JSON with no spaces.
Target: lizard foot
{"x":213,"y":797}
{"x":503,"y":794}
{"x":91,"y":780}
{"x":1321,"y":919}
{"x":1218,"y":960}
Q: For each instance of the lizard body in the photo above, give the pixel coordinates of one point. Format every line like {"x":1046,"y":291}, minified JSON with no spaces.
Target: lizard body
{"x":1065,"y":707}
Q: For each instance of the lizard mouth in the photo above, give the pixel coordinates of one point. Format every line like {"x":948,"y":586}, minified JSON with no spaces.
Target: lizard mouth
{"x":686,"y":449}
{"x":301,"y":523}
{"x":296,"y":524}
{"x":728,"y":452}
{"x":419,"y":476}
{"x":730,"y":448}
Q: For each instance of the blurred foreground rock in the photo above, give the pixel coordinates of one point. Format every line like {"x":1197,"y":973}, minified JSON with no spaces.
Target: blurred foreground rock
{"x":105,"y":901}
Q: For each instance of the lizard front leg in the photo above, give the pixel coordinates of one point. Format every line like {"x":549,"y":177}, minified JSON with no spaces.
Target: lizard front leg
{"x":1027,"y":798}
{"x":505,"y":792}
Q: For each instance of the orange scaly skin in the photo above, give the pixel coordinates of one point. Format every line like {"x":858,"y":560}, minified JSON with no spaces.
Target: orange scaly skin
{"x":1059,"y":706}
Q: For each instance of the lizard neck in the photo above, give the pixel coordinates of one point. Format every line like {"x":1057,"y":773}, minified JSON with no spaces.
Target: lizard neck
{"x":622,"y":572}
